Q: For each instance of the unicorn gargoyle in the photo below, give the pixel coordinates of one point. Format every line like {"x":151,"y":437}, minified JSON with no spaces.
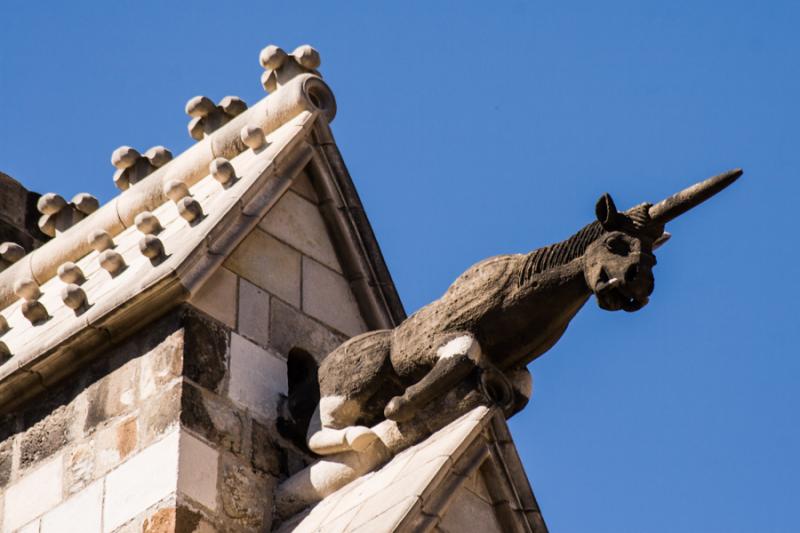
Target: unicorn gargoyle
{"x":497,"y":317}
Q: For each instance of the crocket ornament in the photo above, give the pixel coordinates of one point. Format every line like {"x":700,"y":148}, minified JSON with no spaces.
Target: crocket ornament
{"x":498,"y":316}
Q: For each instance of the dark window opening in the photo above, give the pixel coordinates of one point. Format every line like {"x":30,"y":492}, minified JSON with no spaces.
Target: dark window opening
{"x":303,"y":396}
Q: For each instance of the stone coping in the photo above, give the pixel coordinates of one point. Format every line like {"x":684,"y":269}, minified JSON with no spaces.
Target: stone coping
{"x":149,"y":269}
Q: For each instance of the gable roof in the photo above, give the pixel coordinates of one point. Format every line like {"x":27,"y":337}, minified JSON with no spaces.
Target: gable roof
{"x":170,"y":230}
{"x":415,"y":491}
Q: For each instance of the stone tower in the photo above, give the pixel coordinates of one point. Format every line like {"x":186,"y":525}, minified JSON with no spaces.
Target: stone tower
{"x":159,"y":353}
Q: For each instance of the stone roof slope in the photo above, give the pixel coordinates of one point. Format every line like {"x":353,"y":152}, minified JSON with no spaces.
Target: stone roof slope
{"x":465,"y":477}
{"x":109,"y":270}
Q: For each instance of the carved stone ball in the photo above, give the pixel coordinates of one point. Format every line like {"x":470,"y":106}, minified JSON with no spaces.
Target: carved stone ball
{"x":190,"y":209}
{"x":3,"y":325}
{"x":124,"y":157}
{"x":27,"y":288}
{"x":147,"y":222}
{"x":200,"y":106}
{"x":73,"y":296}
{"x":151,"y":247}
{"x":175,"y":190}
{"x":11,"y":252}
{"x":112,"y":262}
{"x":253,"y":137}
{"x":50,"y":203}
{"x":269,"y":81}
{"x":272,"y":57}
{"x":5,"y":353}
{"x":85,"y":203}
{"x":34,"y":311}
{"x":100,"y":240}
{"x":307,"y":56}
{"x":222,"y":170}
{"x":158,"y":156}
{"x":233,"y":105}
{"x":71,"y":273}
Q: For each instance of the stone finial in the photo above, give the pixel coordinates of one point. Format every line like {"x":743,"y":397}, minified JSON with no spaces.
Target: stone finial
{"x":32,"y":308}
{"x":222,"y":170}
{"x":253,"y":137}
{"x":208,"y":117}
{"x":27,"y":289}
{"x":281,"y":67}
{"x":5,"y":353}
{"x":34,"y":311}
{"x":100,"y":240}
{"x":73,"y":297}
{"x":190,"y":209}
{"x":3,"y":325}
{"x":151,"y":247}
{"x":58,"y":215}
{"x":175,"y":190}
{"x":132,"y":167}
{"x":71,"y":273}
{"x":112,"y":262}
{"x":10,"y":252}
{"x":147,"y":223}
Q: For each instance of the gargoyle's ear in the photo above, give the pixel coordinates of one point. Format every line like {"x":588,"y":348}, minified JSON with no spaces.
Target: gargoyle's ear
{"x":606,"y":211}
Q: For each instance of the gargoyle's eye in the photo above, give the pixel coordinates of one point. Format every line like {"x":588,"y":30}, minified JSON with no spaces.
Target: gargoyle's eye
{"x":618,"y":246}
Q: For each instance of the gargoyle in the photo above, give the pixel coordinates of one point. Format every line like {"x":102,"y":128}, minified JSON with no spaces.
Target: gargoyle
{"x":497,"y":317}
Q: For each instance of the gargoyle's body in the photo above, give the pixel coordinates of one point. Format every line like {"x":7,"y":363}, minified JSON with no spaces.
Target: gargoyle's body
{"x":495,"y":318}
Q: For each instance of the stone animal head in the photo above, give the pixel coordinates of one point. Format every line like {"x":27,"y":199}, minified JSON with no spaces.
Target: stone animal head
{"x":618,"y":264}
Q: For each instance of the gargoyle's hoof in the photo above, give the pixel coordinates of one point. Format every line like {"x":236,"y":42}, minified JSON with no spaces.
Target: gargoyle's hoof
{"x":359,"y":438}
{"x":399,"y":409}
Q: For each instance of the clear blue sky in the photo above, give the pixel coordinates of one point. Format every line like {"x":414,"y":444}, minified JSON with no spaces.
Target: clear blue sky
{"x":473,"y":129}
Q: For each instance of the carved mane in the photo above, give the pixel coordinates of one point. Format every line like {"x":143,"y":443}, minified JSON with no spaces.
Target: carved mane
{"x":560,"y":253}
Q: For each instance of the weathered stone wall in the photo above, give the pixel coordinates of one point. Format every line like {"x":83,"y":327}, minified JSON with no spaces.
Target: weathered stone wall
{"x":176,"y":429}
{"x":18,"y":214}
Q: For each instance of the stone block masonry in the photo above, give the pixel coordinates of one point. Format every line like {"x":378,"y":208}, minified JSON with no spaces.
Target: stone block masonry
{"x":174,"y":427}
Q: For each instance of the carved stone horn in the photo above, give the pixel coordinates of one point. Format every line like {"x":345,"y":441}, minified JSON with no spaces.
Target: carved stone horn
{"x":677,"y":204}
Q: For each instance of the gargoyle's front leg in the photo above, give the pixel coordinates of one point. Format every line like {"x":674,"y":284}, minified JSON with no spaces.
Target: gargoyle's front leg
{"x":456,"y":358}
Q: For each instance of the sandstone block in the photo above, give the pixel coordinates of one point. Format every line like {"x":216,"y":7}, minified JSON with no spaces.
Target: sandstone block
{"x":205,"y":358}
{"x":246,"y":496}
{"x":216,"y":420}
{"x":197,"y":471}
{"x":289,"y":328}
{"x":79,"y":467}
{"x":82,"y":513}
{"x":217,"y":297}
{"x":298,"y":222}
{"x":35,"y":493}
{"x":46,"y":437}
{"x":114,"y":395}
{"x":268,"y":263}
{"x":302,"y":185}
{"x":253,"y":313}
{"x":161,"y":365}
{"x":140,"y":482}
{"x":266,"y":455}
{"x":159,"y":415}
{"x":327,"y":297}
{"x":257,"y":377}
{"x":6,"y":460}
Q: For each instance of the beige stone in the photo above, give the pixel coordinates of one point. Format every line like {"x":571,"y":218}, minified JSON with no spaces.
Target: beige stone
{"x":302,"y":185}
{"x":82,"y":513}
{"x":327,"y":297}
{"x":257,"y":377}
{"x":270,"y":264}
{"x":140,"y":482}
{"x":197,"y":471}
{"x":31,"y":527}
{"x":253,"y":313}
{"x":468,"y":512}
{"x":217,"y":298}
{"x":298,"y":222}
{"x":37,"y":492}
